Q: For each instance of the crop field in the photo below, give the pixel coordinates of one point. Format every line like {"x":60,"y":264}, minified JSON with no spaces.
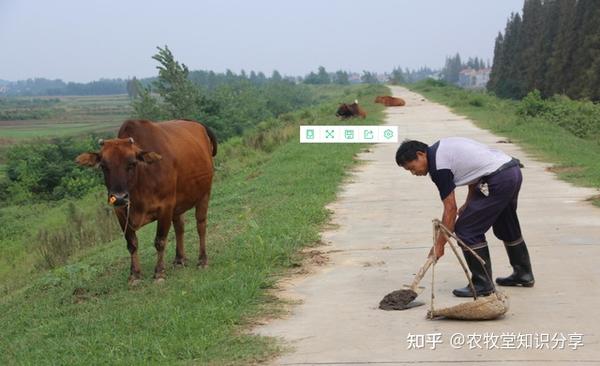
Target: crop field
{"x":25,"y":118}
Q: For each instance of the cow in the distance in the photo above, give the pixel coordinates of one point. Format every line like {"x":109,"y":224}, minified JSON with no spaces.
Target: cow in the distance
{"x":389,"y":101}
{"x":346,"y":111}
{"x":157,"y":172}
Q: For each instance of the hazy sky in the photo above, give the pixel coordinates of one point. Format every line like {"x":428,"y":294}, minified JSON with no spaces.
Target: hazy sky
{"x":85,"y":40}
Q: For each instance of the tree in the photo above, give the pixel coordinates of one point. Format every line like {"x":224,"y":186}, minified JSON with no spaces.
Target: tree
{"x":369,"y":77}
{"x":452,"y":69}
{"x":145,"y":106}
{"x":134,"y":88}
{"x":586,"y":55}
{"x":530,"y":46}
{"x":498,"y":61}
{"x":554,"y":47}
{"x":507,"y":76}
{"x":323,"y":76}
{"x":181,"y":98}
{"x":276,"y":76}
{"x":341,"y":78}
{"x":397,"y":76}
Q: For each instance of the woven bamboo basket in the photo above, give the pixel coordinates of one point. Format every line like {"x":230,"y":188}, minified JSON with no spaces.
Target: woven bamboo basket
{"x":481,"y":308}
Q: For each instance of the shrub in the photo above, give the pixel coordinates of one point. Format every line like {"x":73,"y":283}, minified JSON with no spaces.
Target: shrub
{"x":532,"y":105}
{"x":477,"y":101}
{"x":46,"y":170}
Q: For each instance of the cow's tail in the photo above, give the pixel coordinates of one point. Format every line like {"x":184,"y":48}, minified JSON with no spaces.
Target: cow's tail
{"x":213,"y":139}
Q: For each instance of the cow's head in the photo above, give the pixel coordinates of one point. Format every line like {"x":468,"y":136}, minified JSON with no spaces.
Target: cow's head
{"x":120,"y":160}
{"x":343,"y":110}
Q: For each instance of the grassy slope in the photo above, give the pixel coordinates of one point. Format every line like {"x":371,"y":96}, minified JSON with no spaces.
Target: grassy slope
{"x":266,"y":205}
{"x":577,"y":159}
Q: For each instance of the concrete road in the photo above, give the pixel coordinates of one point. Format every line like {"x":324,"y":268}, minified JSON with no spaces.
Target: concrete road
{"x":383,"y":234}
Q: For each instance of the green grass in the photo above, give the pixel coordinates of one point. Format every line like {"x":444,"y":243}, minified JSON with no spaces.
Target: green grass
{"x":268,"y":202}
{"x":577,"y":159}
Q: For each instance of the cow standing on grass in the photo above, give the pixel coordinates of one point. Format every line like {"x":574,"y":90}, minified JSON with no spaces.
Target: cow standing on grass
{"x":157,"y":171}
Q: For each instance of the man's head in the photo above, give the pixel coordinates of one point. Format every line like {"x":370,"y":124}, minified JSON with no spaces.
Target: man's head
{"x":412,"y":155}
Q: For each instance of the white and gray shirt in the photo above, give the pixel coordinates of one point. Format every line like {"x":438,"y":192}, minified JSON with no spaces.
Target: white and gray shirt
{"x":458,"y":161}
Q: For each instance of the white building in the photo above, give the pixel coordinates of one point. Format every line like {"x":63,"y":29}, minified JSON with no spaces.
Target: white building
{"x":474,"y":79}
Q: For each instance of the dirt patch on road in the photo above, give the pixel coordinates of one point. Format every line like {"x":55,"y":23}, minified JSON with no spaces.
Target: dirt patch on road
{"x":564,"y":169}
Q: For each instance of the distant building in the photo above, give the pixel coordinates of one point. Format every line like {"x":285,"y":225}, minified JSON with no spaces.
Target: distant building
{"x":436,"y":75}
{"x":3,"y":89}
{"x":383,"y":78}
{"x":474,"y":79}
{"x":354,"y":78}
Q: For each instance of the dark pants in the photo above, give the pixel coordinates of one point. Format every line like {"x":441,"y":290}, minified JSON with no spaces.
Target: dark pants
{"x":498,"y":210}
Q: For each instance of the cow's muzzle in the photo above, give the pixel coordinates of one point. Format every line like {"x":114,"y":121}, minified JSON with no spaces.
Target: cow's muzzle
{"x":118,"y":199}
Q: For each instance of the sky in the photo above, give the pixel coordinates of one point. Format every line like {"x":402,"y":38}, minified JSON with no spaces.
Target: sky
{"x":87,"y":40}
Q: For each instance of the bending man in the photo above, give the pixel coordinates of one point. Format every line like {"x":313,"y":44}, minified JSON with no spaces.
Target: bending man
{"x":494,"y":181}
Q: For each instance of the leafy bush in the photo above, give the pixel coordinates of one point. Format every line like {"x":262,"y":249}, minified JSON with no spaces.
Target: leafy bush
{"x":46,"y":170}
{"x":434,"y":83}
{"x":533,"y":105}
{"x":581,"y":118}
{"x":477,"y":101}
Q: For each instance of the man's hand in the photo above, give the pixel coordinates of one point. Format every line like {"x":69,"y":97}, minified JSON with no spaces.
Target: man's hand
{"x":438,"y":249}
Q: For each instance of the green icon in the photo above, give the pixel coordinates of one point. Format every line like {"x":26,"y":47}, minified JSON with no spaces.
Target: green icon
{"x":310,"y":134}
{"x":368,"y":134}
{"x":349,"y":134}
{"x":388,"y":134}
{"x":329,"y":134}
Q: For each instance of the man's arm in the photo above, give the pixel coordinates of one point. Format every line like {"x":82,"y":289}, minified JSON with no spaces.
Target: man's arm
{"x":448,"y":219}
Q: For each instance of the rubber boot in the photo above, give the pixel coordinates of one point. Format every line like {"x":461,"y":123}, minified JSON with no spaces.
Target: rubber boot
{"x":481,"y":281}
{"x":519,"y":260}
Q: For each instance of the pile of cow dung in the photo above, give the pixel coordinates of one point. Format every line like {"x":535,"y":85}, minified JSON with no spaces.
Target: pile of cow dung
{"x":399,"y":300}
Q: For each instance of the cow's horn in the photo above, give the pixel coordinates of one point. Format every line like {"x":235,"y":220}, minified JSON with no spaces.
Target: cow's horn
{"x":100,"y":142}
{"x":356,"y":101}
{"x":131,"y":140}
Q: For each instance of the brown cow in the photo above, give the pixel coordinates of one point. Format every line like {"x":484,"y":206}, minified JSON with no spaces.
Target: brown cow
{"x":157,"y":171}
{"x":346,"y":111}
{"x":388,"y":101}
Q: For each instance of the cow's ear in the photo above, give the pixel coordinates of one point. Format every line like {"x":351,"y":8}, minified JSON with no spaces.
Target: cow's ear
{"x":88,"y":159}
{"x":148,"y":156}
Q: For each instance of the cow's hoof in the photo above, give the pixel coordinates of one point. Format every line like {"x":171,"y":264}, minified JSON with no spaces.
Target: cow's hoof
{"x":159,"y":280}
{"x":179,"y":263}
{"x":202,"y":265}
{"x":134,"y":281}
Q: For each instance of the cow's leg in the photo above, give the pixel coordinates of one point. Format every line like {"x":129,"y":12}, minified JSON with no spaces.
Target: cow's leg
{"x":201,"y":214}
{"x":178,"y":223}
{"x":135,"y":272}
{"x":160,"y":242}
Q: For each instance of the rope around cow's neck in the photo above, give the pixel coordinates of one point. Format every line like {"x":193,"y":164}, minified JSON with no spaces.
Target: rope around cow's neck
{"x":126,"y":219}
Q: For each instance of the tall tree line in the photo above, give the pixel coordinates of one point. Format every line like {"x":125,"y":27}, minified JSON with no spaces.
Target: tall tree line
{"x":553,"y":47}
